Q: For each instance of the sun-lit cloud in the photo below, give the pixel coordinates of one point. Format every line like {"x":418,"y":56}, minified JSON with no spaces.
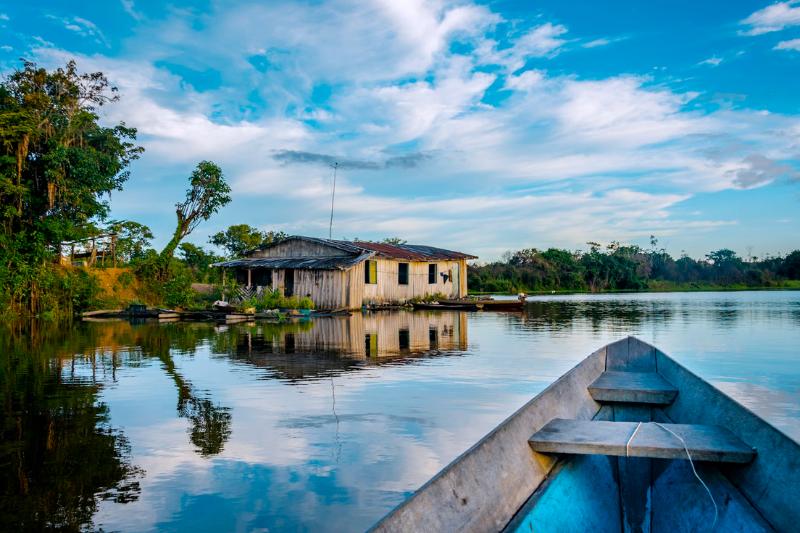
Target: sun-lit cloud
{"x":774,"y":17}
{"x":791,"y":44}
{"x":443,"y":118}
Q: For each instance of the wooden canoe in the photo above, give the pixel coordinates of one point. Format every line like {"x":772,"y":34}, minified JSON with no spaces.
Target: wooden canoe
{"x":454,"y":306}
{"x":599,"y":450}
{"x":490,"y":304}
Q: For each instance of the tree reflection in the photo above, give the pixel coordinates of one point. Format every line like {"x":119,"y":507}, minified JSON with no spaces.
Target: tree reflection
{"x":59,"y":455}
{"x":210,"y":422}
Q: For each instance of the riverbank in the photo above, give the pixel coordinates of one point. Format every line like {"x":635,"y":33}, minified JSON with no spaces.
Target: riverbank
{"x":656,"y":287}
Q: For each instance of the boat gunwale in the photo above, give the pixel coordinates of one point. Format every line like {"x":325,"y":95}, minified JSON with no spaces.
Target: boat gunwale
{"x":492,"y":434}
{"x":752,"y":472}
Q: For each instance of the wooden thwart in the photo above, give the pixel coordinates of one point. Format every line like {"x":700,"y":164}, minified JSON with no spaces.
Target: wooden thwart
{"x":632,"y":439}
{"x":632,"y":387}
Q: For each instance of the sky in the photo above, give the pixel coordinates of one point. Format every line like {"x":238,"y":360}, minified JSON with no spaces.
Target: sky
{"x":477,"y":126}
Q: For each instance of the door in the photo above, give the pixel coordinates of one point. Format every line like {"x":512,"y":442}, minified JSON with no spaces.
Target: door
{"x":456,"y":278}
{"x":288,"y":282}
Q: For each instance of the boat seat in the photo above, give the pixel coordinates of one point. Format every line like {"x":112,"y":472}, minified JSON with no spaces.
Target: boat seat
{"x":632,"y":387}
{"x":640,"y":439}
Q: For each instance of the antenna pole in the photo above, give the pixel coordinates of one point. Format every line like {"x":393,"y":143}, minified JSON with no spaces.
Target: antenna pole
{"x":333,"y":195}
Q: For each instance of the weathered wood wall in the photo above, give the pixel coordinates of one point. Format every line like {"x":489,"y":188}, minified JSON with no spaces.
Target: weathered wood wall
{"x":387,"y":288}
{"x":335,"y":289}
{"x":300,"y":248}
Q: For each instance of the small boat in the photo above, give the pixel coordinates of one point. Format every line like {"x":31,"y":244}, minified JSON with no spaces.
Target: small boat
{"x":490,"y":304}
{"x":451,"y":305}
{"x":628,"y":440}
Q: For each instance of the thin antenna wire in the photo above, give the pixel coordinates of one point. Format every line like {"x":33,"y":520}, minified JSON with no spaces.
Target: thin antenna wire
{"x":333,"y":195}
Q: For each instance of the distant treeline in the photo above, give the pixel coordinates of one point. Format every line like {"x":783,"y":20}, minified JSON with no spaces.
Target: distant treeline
{"x":629,"y":267}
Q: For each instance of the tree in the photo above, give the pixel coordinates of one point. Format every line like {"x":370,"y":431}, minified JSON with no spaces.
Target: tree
{"x":133,"y":239}
{"x":394,"y":240}
{"x":58,"y":167}
{"x":208,"y":193}
{"x":790,"y":266}
{"x":57,"y":164}
{"x":241,"y":238}
{"x":198,"y":260}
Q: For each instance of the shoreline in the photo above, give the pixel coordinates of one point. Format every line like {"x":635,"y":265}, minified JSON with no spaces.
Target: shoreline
{"x":791,"y":287}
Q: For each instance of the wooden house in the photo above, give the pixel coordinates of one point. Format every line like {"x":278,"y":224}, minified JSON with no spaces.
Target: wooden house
{"x":346,"y":275}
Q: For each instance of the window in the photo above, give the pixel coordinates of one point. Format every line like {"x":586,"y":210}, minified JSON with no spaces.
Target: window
{"x":402,"y":273}
{"x":371,"y":344}
{"x":432,"y":272}
{"x":371,"y":272}
{"x":404,"y":340}
{"x":433,"y":337}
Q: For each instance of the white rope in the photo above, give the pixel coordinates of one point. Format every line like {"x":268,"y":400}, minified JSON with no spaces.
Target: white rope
{"x":691,"y":463}
{"x":628,"y":445}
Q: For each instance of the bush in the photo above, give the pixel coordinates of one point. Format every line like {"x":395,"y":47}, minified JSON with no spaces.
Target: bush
{"x":274,"y":300}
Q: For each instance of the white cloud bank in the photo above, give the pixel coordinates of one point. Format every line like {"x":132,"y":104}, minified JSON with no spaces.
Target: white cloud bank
{"x":495,"y":154}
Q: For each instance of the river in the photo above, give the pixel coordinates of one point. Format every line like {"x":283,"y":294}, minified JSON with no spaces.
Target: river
{"x":326,"y":424}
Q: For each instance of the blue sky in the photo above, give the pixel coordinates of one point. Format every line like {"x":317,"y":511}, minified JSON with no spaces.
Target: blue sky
{"x":481,"y":126}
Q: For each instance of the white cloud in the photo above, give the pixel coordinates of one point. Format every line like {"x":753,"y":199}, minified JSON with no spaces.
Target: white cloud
{"x":555,"y":158}
{"x":596,"y":42}
{"x":712,"y":61}
{"x":774,"y":17}
{"x":84,"y":28}
{"x":540,"y":41}
{"x":130,"y":9}
{"x":791,"y":44}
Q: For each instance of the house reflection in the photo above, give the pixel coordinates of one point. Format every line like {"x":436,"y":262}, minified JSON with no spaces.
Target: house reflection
{"x":307,"y":350}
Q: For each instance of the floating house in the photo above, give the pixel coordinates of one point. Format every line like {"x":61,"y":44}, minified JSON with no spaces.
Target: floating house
{"x":346,"y":275}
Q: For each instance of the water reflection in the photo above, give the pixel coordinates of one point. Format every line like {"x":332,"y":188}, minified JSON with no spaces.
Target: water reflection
{"x":309,"y":350}
{"x":58,"y":454}
{"x":325,"y":424}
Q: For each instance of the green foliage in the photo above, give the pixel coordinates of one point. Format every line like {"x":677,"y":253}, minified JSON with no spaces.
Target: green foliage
{"x":274,"y":300}
{"x":57,"y":167}
{"x":626,"y":267}
{"x":57,"y":164}
{"x":207,"y":194}
{"x":171,"y":284}
{"x":240,"y":238}
{"x":199,"y":262}
{"x":429,"y":298}
{"x":790,"y":267}
{"x":133,"y":239}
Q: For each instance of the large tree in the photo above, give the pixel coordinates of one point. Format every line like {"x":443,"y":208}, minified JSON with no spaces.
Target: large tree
{"x":58,"y":164}
{"x":207,"y":194}
{"x":240,"y":238}
{"x":133,"y":239}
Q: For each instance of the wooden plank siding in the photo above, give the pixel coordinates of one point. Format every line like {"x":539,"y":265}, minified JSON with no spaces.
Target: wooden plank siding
{"x":388,"y":290}
{"x":299,"y":248}
{"x":346,"y":289}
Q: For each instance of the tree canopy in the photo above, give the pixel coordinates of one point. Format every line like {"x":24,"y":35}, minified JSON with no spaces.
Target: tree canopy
{"x":626,"y":267}
{"x":240,"y":238}
{"x":58,"y":165}
{"x":208,"y":192}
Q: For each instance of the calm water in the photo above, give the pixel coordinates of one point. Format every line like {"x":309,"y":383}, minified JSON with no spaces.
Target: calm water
{"x":326,"y":425}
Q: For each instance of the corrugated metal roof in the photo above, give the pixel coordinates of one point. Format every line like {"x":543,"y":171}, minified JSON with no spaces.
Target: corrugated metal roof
{"x":309,"y":263}
{"x":412,"y":252}
{"x":409,"y":252}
